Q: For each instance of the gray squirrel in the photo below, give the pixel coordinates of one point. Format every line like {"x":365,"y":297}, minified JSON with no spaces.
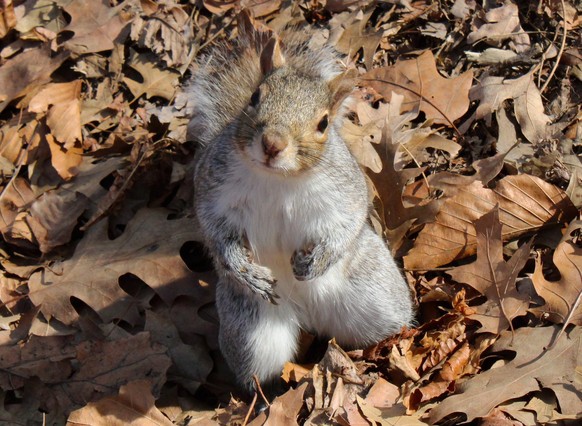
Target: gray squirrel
{"x":283,"y":205}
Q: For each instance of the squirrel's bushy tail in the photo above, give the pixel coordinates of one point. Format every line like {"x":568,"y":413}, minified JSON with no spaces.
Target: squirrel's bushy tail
{"x":224,"y":80}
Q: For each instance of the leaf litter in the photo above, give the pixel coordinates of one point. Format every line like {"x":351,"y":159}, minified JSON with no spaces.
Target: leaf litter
{"x":468,"y":119}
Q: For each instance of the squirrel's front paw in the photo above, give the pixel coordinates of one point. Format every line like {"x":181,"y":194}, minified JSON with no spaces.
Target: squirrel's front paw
{"x":309,"y":263}
{"x":261,"y":281}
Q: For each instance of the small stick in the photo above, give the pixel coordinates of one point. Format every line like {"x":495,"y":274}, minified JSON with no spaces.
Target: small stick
{"x":562,"y":46}
{"x":251,"y":409}
{"x":260,"y":390}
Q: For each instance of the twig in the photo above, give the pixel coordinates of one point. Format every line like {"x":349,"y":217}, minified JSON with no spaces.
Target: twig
{"x":417,"y":165}
{"x":562,"y":46}
{"x":260,"y":390}
{"x":251,"y":409}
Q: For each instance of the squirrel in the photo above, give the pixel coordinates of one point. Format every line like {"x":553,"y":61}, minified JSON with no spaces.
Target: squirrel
{"x":283,"y":205}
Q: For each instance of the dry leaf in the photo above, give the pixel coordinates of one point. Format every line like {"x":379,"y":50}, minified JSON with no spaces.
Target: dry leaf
{"x":392,"y":416}
{"x":191,"y":364}
{"x":294,"y":372}
{"x":491,"y":275}
{"x":73,"y":374}
{"x":382,"y":394}
{"x":500,"y":24}
{"x":32,"y":67}
{"x":285,"y":408}
{"x":16,"y":196}
{"x":356,"y":36}
{"x":149,"y":249}
{"x":492,"y":91}
{"x":7,"y":18}
{"x":156,"y":81}
{"x":564,"y":297}
{"x":133,"y":406}
{"x":443,"y":100}
{"x":65,"y":161}
{"x":53,"y":216}
{"x":389,"y":183}
{"x":529,"y":112}
{"x":61,"y":102}
{"x":39,"y":15}
{"x":533,"y":368}
{"x":96,"y":26}
{"x":357,"y":139}
{"x":166,"y":31}
{"x":526,"y":204}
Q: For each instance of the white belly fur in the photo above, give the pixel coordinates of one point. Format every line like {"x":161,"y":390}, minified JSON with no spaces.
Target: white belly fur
{"x":280,"y":215}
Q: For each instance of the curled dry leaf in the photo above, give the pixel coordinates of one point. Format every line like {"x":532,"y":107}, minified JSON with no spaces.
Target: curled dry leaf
{"x":54,"y":215}
{"x":564,"y":297}
{"x":356,"y":35}
{"x":7,"y":19}
{"x":500,"y":24}
{"x":17,"y":195}
{"x":526,"y":204}
{"x":442,"y":100}
{"x":166,"y":31}
{"x":133,"y":406}
{"x":529,"y":112}
{"x":359,"y":143}
{"x":61,"y":102}
{"x":258,"y":8}
{"x":390,"y":183}
{"x":491,"y":275}
{"x":492,"y":91}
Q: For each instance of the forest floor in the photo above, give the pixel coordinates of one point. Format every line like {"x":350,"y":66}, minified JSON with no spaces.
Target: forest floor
{"x":468,"y":120}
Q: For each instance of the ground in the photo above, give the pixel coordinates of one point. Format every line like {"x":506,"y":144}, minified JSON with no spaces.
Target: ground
{"x":468,"y":120}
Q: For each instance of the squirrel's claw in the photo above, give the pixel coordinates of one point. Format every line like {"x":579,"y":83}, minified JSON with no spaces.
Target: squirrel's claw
{"x":261,"y":281}
{"x":309,"y":264}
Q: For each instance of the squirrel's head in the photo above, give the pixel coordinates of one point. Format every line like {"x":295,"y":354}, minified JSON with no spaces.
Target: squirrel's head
{"x":286,"y":124}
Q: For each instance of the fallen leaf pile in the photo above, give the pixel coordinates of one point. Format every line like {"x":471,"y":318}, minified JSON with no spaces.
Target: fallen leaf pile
{"x":468,"y":120}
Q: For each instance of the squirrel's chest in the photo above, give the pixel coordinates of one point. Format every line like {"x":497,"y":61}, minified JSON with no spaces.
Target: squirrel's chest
{"x":277,"y":216}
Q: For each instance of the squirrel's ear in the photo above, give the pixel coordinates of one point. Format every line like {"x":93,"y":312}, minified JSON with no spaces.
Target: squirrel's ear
{"x":341,"y":86}
{"x":272,"y":56}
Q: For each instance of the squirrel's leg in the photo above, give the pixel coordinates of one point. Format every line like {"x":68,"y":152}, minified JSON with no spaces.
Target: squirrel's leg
{"x":256,"y":338}
{"x":373,"y":302}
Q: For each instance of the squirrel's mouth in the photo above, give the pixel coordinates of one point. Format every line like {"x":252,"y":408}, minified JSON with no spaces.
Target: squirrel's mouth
{"x":274,"y":165}
{"x":278,"y":160}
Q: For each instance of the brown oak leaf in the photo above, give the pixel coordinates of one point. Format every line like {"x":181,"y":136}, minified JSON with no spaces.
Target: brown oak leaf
{"x":534,"y":367}
{"x":443,"y":100}
{"x":491,"y":275}
{"x":149,"y":249}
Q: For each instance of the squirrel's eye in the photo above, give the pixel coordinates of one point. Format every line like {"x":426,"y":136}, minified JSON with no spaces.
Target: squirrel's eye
{"x":322,"y":125}
{"x":255,"y":98}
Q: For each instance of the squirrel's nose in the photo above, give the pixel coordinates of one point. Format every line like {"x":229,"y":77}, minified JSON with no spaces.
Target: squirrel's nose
{"x":273,"y":144}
